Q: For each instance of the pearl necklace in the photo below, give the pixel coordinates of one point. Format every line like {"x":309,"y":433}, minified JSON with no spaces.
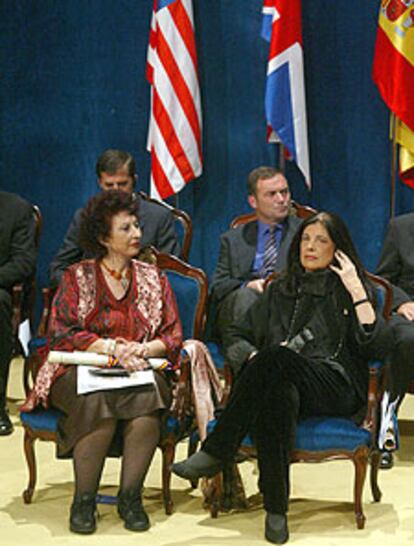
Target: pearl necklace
{"x":117,"y":275}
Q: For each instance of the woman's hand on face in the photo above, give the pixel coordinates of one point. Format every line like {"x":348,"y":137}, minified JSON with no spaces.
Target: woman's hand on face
{"x":347,"y":272}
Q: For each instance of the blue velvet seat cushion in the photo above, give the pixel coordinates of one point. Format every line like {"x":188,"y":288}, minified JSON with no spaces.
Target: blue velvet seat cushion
{"x":322,"y":434}
{"x":174,"y":426}
{"x":41,"y":419}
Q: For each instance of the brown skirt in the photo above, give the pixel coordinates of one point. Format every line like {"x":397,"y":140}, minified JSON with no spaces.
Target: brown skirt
{"x":83,"y":412}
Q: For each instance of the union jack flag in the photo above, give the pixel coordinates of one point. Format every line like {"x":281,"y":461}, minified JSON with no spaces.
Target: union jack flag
{"x":285,"y":103}
{"x":174,"y":134}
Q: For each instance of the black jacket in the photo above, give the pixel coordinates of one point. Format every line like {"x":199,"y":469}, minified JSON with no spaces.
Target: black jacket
{"x":396,"y":263}
{"x":17,"y":249}
{"x":324,"y":307}
{"x":237,"y":253}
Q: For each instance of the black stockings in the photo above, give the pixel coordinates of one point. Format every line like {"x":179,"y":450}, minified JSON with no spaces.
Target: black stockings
{"x":141,"y":436}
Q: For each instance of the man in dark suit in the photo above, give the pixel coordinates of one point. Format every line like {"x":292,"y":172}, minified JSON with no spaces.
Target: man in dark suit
{"x":241,"y":269}
{"x":17,"y":264}
{"x":116,"y":171}
{"x":396,"y":264}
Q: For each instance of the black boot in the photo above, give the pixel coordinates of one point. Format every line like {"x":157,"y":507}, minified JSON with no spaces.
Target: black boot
{"x":6,"y":426}
{"x":276,"y":528}
{"x":82,"y":514}
{"x":199,"y":465}
{"x":131,"y":510}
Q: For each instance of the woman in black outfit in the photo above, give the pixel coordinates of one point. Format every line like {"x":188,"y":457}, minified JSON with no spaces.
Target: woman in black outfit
{"x":305,"y":347}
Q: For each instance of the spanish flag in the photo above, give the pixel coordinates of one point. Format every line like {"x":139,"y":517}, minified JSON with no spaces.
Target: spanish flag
{"x":393,"y":73}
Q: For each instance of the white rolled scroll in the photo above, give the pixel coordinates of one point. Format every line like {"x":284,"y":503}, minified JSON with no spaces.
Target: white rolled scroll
{"x":82,"y":358}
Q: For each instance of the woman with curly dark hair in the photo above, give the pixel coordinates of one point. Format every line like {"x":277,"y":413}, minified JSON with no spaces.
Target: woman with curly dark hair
{"x":304,"y":348}
{"x":120,"y":307}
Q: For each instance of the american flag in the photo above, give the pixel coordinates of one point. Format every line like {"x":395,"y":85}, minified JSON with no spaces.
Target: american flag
{"x":285,"y":87}
{"x":174,"y":135}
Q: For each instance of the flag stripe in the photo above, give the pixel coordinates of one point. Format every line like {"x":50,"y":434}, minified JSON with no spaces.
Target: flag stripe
{"x":285,"y":102}
{"x":165,"y":91}
{"x":393,"y":72}
{"x":174,"y":132}
{"x":163,"y":186}
{"x":185,"y":28}
{"x":389,"y":62}
{"x":180,"y":87}
{"x":170,"y":138}
{"x":167,"y":162}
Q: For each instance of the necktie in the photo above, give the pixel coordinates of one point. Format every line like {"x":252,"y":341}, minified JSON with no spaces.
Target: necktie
{"x":271,"y":250}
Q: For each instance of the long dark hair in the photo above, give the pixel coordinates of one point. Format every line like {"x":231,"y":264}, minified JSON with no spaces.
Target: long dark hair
{"x":341,"y":238}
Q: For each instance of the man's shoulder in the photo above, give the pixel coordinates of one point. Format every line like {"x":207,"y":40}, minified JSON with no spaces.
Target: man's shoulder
{"x":404,"y":220}
{"x":293,"y":222}
{"x":240,"y":231}
{"x":13,"y":201}
{"x":152,"y":209}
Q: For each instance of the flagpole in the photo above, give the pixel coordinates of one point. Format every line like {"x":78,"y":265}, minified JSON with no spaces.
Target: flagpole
{"x":394,"y":159}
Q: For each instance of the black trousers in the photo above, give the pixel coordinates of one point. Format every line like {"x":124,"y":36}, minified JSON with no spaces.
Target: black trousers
{"x":6,"y":342}
{"x":275,"y":389}
{"x":235,"y":305}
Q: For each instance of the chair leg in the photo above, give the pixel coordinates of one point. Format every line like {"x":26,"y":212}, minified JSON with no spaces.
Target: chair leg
{"x":192,"y":448}
{"x":212,"y":489}
{"x":168,"y":452}
{"x":375,"y":462}
{"x":29,"y":440}
{"x":360,"y":461}
{"x":26,"y":373}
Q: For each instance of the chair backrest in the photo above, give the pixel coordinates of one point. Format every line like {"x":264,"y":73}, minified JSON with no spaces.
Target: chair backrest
{"x":190,"y":288}
{"x":296,"y":209}
{"x":383,"y":293}
{"x":183,"y":224}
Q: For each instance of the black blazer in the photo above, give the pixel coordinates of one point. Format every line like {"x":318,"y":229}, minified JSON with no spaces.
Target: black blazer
{"x":237,"y":253}
{"x":326,"y":308}
{"x":157,"y":225}
{"x":396,"y":263}
{"x":17,"y":249}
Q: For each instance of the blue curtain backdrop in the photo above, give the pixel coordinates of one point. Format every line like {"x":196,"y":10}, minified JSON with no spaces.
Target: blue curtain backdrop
{"x":73,"y":83}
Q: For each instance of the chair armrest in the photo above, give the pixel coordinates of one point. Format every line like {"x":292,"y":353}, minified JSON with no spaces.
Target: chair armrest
{"x":375,"y":391}
{"x":47,"y":296}
{"x":182,"y":390}
{"x":17,"y":303}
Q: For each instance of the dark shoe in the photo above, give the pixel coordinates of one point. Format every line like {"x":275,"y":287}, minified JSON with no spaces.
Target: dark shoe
{"x":6,"y":426}
{"x":199,"y":465}
{"x":387,"y":460}
{"x":276,"y":528}
{"x":132,"y":512}
{"x":82,"y":514}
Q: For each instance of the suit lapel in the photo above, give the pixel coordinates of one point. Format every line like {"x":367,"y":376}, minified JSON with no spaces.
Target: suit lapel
{"x":247,"y":251}
{"x":287,"y":237}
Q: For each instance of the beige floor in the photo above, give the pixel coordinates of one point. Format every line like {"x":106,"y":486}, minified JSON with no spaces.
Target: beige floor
{"x":320,"y":514}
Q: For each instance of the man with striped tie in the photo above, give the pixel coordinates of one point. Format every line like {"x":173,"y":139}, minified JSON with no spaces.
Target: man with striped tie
{"x":250,"y":252}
